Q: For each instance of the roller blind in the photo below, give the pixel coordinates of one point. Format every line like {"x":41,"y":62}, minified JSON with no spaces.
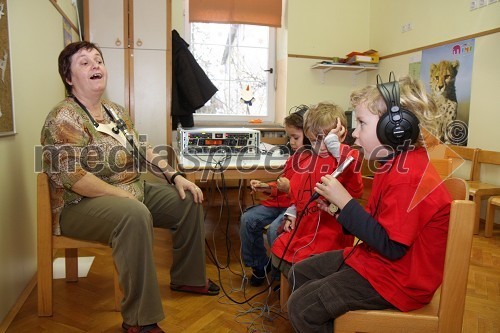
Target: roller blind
{"x":257,"y":12}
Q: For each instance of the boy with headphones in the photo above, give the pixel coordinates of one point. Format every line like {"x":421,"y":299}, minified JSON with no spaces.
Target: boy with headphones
{"x":270,"y":211}
{"x":403,"y":230}
{"x":306,"y":229}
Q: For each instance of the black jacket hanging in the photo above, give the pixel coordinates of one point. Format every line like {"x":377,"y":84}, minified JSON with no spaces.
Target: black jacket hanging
{"x":191,"y":87}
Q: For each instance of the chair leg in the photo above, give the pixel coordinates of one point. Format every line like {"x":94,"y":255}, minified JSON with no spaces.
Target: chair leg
{"x":490,"y":214}
{"x":118,"y":290}
{"x":71,"y":265}
{"x":284,"y":292}
{"x":477,"y":218}
{"x":44,"y":276}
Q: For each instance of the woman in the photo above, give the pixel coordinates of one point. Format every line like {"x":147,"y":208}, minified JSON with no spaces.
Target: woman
{"x":97,"y":193}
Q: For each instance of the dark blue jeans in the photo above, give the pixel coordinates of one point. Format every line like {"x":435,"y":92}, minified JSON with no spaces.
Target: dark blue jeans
{"x":253,"y":221}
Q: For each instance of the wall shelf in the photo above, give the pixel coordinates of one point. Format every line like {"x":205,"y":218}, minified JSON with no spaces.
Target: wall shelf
{"x":341,"y":67}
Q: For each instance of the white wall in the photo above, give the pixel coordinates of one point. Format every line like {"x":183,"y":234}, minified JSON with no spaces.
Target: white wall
{"x":324,"y":28}
{"x":36,"y":38}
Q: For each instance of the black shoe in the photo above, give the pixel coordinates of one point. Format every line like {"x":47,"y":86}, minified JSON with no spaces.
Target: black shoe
{"x":259,"y":275}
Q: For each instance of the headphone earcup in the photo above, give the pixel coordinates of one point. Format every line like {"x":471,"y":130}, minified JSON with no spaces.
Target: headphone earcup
{"x":396,"y":133}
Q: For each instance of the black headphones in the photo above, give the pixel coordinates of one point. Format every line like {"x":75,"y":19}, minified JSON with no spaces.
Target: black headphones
{"x":397,"y":127}
{"x":301,"y":110}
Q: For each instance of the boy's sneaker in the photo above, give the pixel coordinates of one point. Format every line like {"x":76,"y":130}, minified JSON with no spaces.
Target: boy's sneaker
{"x":259,"y":275}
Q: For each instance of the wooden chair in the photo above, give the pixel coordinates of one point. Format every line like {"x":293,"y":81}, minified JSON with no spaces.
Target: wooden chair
{"x":461,"y":154}
{"x":479,"y":190}
{"x":445,"y":312}
{"x":47,"y":243}
{"x":458,"y":189}
{"x":443,"y":166}
{"x":493,"y":203}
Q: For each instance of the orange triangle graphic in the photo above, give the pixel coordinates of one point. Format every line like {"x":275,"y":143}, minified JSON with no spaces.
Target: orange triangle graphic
{"x":430,"y":179}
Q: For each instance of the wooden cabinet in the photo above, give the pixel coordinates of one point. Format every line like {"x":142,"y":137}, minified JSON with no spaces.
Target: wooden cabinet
{"x":134,"y":36}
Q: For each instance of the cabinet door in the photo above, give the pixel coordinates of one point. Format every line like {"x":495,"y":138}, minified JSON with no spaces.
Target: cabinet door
{"x":106,"y":27}
{"x":150,"y":100}
{"x":150,"y":24}
{"x":116,"y":90}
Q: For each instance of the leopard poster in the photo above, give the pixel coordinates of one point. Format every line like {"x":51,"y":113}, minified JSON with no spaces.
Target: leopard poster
{"x":446,"y":70}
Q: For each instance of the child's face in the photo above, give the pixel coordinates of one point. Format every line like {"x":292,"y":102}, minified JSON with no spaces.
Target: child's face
{"x":296,"y":136}
{"x":366,"y":134}
{"x":318,"y":145}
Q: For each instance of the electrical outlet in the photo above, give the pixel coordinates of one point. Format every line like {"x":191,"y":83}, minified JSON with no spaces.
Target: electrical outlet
{"x":406,"y":27}
{"x":482,"y":3}
{"x":473,"y":5}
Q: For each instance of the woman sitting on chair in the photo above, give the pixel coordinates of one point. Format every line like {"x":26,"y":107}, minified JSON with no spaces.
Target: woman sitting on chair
{"x":97,"y":194}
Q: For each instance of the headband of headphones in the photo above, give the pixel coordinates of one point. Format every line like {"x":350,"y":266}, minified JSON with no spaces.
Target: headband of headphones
{"x":389,"y":91}
{"x":300,"y":110}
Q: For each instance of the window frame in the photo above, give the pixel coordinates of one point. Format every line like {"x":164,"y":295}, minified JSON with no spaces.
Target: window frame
{"x":271,"y":87}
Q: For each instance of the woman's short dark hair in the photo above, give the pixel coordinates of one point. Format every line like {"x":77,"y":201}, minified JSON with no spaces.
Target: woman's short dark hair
{"x":64,"y":60}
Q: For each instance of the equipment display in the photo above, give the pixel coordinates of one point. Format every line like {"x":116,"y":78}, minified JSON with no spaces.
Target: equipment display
{"x":222,"y":141}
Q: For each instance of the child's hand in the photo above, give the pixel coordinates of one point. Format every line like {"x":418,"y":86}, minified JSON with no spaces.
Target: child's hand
{"x":283,"y":184}
{"x":258,"y":186}
{"x":333,"y":191}
{"x":327,"y":207}
{"x":339,"y":130}
{"x":332,"y":140}
{"x":289,"y":223}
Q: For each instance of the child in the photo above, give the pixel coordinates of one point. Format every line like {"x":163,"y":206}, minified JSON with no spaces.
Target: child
{"x":400,"y":262}
{"x":317,"y":231}
{"x":255,"y":218}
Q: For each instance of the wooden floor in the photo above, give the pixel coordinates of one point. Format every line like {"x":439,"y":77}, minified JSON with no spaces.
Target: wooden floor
{"x":87,"y":306}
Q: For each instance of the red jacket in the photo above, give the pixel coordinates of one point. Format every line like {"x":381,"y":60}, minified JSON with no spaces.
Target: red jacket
{"x":318,"y":231}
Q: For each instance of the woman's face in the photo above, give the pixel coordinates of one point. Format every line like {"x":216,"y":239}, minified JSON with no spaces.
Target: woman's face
{"x":296,"y":137}
{"x":88,"y":73}
{"x":366,"y":134}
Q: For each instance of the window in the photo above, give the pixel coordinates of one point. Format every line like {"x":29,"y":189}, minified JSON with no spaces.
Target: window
{"x":240,"y":61}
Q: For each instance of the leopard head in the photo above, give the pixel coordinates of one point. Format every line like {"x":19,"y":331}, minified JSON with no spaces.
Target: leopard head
{"x":442,"y":78}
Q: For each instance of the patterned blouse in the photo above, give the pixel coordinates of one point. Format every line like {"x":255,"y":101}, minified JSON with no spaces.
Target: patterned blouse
{"x":72,"y":147}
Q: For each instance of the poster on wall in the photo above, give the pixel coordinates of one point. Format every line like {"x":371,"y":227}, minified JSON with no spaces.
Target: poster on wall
{"x":6,"y":108}
{"x":447,"y":71}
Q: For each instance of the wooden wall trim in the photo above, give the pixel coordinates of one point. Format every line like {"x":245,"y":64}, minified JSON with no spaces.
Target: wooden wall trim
{"x":397,"y":54}
{"x":59,"y":9}
{"x":4,"y":325}
{"x":454,"y":40}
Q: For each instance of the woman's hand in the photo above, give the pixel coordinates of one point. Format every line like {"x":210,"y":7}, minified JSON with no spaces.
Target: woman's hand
{"x":283,"y":184}
{"x":333,"y":191}
{"x":183,"y":185}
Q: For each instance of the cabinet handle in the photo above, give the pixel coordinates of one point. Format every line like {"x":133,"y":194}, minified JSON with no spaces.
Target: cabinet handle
{"x":139,"y":42}
{"x":118,"y":42}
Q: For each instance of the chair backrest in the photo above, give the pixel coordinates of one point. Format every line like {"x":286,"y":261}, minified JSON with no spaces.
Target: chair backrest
{"x":459,"y":154}
{"x":458,"y":188}
{"x":456,"y":266}
{"x":484,"y":157}
{"x":443,"y":166}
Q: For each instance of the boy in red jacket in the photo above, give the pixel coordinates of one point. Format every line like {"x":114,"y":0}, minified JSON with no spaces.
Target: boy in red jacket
{"x":403,"y":230}
{"x":317,"y":230}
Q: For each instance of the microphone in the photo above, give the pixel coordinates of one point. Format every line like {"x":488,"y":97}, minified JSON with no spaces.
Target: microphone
{"x":121,"y":126}
{"x":336,"y":173}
